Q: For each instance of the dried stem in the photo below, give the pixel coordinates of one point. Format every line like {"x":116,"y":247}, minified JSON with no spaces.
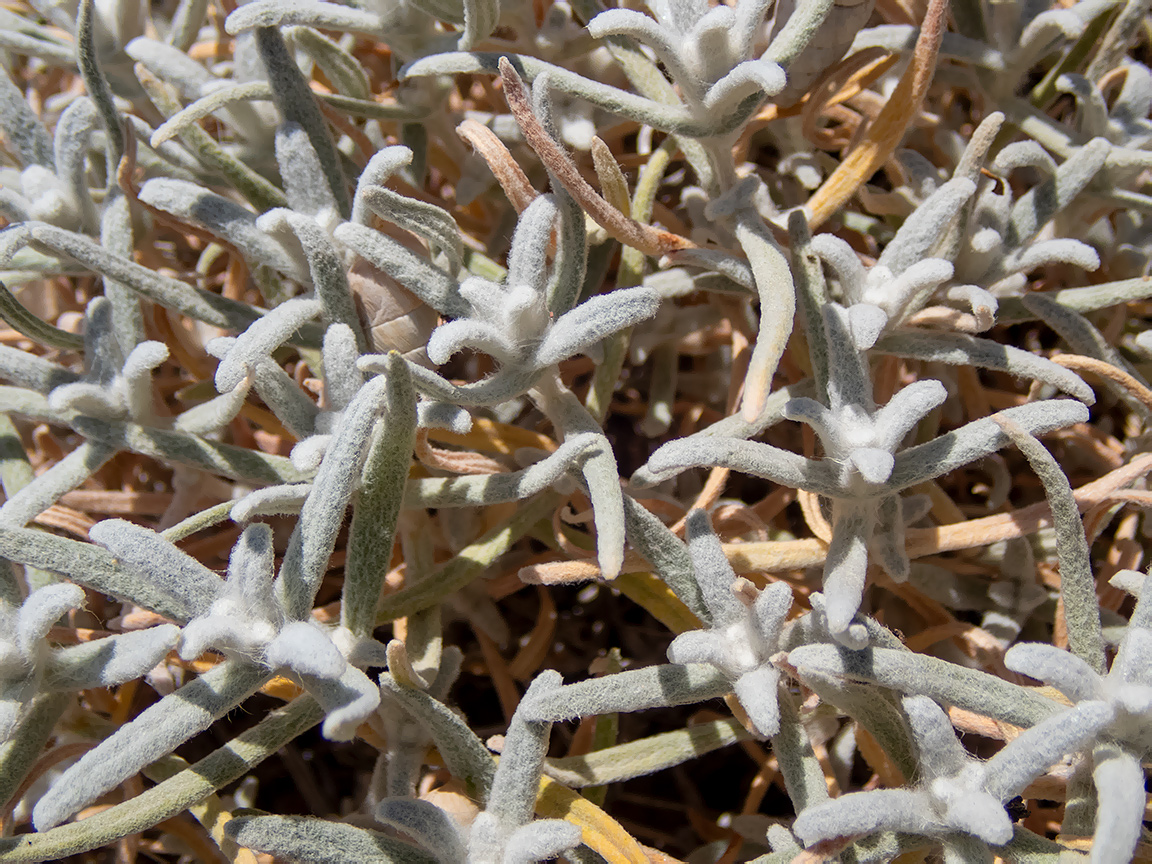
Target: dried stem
{"x":649,"y":240}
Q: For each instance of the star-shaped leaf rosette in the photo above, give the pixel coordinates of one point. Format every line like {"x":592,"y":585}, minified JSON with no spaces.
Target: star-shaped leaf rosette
{"x":863,"y":469}
{"x":116,"y":386}
{"x":249,"y":618}
{"x":970,"y":240}
{"x":706,"y":49}
{"x":905,"y":274}
{"x":745,"y":629}
{"x":249,"y":355}
{"x":959,"y":800}
{"x":1123,"y":740}
{"x":248,"y":621}
{"x":515,"y":324}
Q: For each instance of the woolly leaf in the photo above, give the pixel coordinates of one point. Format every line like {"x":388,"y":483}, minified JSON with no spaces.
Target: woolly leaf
{"x":307,"y":840}
{"x":463,"y":753}
{"x":426,"y":823}
{"x":960,"y":349}
{"x":378,"y":506}
{"x":222,"y":218}
{"x":23,"y":130}
{"x":1077,"y":584}
{"x":928,"y":676}
{"x":634,"y":690}
{"x":155,"y":732}
{"x":348,"y":701}
{"x":311,"y":544}
{"x":109,"y":661}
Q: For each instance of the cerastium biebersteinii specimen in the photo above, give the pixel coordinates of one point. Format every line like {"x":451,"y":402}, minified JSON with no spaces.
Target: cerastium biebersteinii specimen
{"x":423,"y":422}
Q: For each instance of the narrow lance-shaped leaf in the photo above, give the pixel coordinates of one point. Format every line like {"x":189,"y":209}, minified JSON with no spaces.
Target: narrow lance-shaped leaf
{"x":327,"y":270}
{"x":116,"y":236}
{"x":227,"y":460}
{"x":961,"y":349}
{"x":158,"y":730}
{"x":378,"y":505}
{"x":319,"y":841}
{"x":339,"y":65}
{"x":811,"y":294}
{"x":260,"y":193}
{"x":173,"y":794}
{"x":802,"y":773}
{"x":93,"y":567}
{"x":463,"y":753}
{"x":223,"y":218}
{"x":33,"y":372}
{"x":15,"y":474}
{"x":426,"y":281}
{"x":30,"y":325}
{"x":1033,"y":210}
{"x":425,"y":220}
{"x":979,"y":438}
{"x":66,"y":475}
{"x":109,"y":661}
{"x":675,"y":119}
{"x":294,"y":99}
{"x":475,"y":490}
{"x":751,"y":457}
{"x":665,"y":552}
{"x":96,"y":83}
{"x":1077,"y":584}
{"x":23,"y":130}
{"x":644,"y":756}
{"x":261,"y":339}
{"x":513,"y":794}
{"x":1085,"y":339}
{"x":188,"y":300}
{"x":270,"y":14}
{"x":347,"y":700}
{"x":634,"y":690}
{"x":1119,"y":779}
{"x":312,"y":542}
{"x":929,"y":676}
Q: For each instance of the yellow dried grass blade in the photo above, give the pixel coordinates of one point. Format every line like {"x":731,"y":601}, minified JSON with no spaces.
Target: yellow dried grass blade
{"x":490,"y":436}
{"x":601,"y":832}
{"x":883,"y":136}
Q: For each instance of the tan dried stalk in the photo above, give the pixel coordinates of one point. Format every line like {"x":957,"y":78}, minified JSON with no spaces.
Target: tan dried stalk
{"x":810,"y":507}
{"x":453,"y":460}
{"x":840,"y":83}
{"x":532,"y":654}
{"x":507,"y":172}
{"x":66,"y":519}
{"x":1080,"y":363}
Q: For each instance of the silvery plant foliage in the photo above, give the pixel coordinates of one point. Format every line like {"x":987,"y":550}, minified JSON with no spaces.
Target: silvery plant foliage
{"x":329,"y":324}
